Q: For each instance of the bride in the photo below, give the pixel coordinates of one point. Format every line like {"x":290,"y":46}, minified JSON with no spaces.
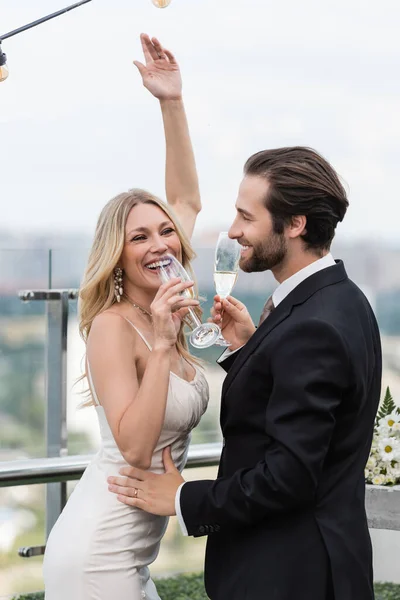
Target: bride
{"x":148,"y":391}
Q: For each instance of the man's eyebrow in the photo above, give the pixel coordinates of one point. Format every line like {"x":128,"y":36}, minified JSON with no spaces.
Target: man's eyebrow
{"x":242,"y":211}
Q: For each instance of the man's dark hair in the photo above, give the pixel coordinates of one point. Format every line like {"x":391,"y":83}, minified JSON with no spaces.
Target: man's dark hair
{"x":301,"y":182}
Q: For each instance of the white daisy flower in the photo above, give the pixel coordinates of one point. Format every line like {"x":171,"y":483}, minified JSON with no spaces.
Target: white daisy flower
{"x":378,"y":480}
{"x":388,"y":448}
{"x":384,"y":430}
{"x":390,"y":420}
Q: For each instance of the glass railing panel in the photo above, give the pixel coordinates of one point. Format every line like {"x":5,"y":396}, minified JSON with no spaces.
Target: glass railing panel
{"x":68,"y":266}
{"x":22,"y":523}
{"x":22,"y":354}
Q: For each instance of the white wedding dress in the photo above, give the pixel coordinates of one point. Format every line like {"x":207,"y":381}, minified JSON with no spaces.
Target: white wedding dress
{"x":100,"y":549}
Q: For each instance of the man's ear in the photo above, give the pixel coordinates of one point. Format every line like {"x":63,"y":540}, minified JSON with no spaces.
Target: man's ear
{"x":297,"y":226}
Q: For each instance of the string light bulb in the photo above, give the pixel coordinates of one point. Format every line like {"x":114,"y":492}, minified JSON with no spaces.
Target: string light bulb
{"x":3,"y":58}
{"x":161,"y":3}
{"x":3,"y":66}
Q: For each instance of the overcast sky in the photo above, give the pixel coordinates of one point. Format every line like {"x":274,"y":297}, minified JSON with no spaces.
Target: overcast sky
{"x":77,"y":127}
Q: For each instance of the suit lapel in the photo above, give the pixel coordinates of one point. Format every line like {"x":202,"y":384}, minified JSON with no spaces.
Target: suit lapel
{"x":328,"y":276}
{"x":276,"y":317}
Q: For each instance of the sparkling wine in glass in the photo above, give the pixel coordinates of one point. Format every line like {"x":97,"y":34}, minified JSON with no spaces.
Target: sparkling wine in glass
{"x":226,"y":268}
{"x":203,"y":334}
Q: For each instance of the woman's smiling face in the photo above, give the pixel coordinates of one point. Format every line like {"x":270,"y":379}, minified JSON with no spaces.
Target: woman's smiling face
{"x":149,"y":236}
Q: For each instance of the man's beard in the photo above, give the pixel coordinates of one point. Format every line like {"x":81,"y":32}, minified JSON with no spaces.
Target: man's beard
{"x":265,"y":256}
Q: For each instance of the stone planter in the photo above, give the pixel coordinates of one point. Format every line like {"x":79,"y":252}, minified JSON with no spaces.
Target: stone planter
{"x":383,"y":507}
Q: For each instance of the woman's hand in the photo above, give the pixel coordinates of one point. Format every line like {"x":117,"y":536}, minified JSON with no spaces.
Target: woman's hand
{"x":168,"y":310}
{"x":235,"y":321}
{"x":161,"y":74}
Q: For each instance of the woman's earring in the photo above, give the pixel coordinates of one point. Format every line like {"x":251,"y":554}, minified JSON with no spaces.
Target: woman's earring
{"x":118,"y":287}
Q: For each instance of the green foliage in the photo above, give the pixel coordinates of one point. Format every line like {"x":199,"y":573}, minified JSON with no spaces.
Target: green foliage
{"x":20,"y":371}
{"x":183,"y":587}
{"x":38,"y":596}
{"x":387,"y":591}
{"x":387,"y":407}
{"x":191,"y":587}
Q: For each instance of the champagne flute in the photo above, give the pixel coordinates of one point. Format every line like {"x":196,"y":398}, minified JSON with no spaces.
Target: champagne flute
{"x":203,"y":334}
{"x":226,"y":268}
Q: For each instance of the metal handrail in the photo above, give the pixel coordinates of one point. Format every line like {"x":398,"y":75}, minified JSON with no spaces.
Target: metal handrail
{"x":69,"y":468}
{"x":382,"y":503}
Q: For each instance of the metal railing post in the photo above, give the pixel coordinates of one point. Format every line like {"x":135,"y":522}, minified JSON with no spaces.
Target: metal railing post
{"x":56,"y":400}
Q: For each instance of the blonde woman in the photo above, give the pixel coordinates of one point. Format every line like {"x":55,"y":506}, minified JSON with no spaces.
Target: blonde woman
{"x":148,"y":391}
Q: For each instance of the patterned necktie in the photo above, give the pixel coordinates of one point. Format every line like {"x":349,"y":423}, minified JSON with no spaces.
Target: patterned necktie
{"x":267,"y":310}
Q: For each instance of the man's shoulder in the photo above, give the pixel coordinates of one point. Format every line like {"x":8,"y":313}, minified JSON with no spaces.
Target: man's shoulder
{"x":341,"y":305}
{"x":345,"y":293}
{"x":339,"y":291}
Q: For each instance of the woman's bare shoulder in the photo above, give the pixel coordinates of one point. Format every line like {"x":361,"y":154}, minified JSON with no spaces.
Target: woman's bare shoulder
{"x":111,"y":323}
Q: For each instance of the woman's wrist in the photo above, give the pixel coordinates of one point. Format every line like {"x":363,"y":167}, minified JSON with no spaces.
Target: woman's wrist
{"x":162,"y":347}
{"x":176,"y":102}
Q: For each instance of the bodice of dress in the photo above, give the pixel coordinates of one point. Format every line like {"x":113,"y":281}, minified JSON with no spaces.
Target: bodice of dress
{"x":186,"y":403}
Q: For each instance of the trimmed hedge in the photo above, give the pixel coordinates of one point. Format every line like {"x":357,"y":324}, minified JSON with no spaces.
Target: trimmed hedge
{"x":387,"y":591}
{"x":183,"y":587}
{"x":190,"y":587}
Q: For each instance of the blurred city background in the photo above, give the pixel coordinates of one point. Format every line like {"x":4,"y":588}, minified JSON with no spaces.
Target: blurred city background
{"x":77,"y":128}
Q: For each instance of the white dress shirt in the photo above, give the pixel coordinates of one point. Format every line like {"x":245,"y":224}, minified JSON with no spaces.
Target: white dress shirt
{"x":279,"y":294}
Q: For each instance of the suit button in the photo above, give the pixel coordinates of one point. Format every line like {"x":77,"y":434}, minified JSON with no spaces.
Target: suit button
{"x":211,"y":529}
{"x":207,"y":528}
{"x":217,"y":528}
{"x":202,"y":529}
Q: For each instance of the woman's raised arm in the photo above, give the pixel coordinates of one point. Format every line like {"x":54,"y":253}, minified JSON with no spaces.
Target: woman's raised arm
{"x":161,"y":76}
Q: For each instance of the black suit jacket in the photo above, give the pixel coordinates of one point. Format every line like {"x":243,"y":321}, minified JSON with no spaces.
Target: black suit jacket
{"x":286,"y":517}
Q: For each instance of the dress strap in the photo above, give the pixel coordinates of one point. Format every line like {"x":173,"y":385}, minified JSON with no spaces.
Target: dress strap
{"x":92,"y":388}
{"x":90,"y":378}
{"x":139,"y":333}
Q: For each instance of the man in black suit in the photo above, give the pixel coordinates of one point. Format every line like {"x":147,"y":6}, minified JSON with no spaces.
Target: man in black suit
{"x":285,"y":518}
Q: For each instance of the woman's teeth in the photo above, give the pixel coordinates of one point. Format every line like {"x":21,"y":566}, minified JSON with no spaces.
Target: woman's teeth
{"x":158,"y":264}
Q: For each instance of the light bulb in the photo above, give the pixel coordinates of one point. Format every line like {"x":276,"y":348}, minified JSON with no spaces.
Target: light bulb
{"x":3,"y":65}
{"x":3,"y":73}
{"x":161,"y":3}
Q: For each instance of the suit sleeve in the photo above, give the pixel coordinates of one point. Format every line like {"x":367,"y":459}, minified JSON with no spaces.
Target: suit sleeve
{"x":310,"y":372}
{"x":227,"y":358}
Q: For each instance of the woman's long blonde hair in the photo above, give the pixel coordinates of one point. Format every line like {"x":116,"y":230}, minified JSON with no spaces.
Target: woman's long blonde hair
{"x":97,"y":289}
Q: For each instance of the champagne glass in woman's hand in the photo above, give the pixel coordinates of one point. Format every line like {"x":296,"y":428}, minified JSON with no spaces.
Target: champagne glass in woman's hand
{"x":203,"y":334}
{"x":161,"y":74}
{"x":169,"y":309}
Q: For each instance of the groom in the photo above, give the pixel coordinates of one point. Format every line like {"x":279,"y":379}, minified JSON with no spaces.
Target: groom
{"x":285,"y":518}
